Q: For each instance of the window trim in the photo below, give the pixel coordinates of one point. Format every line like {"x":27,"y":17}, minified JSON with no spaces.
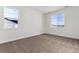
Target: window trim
{"x":13,"y":20}
{"x":52,"y":25}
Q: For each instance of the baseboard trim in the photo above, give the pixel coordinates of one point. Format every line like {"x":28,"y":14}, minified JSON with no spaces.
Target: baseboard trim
{"x":19,"y":39}
{"x":37,"y":35}
{"x":60,"y":36}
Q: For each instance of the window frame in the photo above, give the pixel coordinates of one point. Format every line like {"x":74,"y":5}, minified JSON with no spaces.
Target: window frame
{"x":57,"y":21}
{"x":7,"y":22}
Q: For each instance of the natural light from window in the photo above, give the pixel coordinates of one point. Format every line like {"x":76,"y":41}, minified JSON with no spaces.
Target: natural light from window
{"x":10,"y":17}
{"x":57,"y":20}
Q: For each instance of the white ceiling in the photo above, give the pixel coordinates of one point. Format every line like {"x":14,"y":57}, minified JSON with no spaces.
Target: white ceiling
{"x":46,"y":9}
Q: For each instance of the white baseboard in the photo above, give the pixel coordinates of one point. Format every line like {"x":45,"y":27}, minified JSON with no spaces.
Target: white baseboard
{"x":64,"y":36}
{"x":18,"y":38}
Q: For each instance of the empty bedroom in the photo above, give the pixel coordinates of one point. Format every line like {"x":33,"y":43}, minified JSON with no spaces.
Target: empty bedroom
{"x":39,"y":29}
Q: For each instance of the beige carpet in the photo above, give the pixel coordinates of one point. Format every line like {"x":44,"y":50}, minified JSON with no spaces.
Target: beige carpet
{"x":41,"y":44}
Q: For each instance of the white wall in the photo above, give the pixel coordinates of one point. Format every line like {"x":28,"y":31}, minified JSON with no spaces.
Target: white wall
{"x":71,"y":28}
{"x":30,"y":24}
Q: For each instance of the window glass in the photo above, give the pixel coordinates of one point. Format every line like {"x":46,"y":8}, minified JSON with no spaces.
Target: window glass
{"x":57,"y":20}
{"x":10,"y":17}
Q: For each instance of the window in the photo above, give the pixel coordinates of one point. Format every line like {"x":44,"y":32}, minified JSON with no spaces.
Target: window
{"x":10,"y":17}
{"x":57,"y":20}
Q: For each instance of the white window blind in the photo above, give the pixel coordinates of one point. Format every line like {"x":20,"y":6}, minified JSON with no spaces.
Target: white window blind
{"x":57,"y":20}
{"x":11,"y":17}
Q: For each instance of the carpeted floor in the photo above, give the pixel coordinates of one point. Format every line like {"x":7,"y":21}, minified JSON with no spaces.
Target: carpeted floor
{"x":44,"y":43}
